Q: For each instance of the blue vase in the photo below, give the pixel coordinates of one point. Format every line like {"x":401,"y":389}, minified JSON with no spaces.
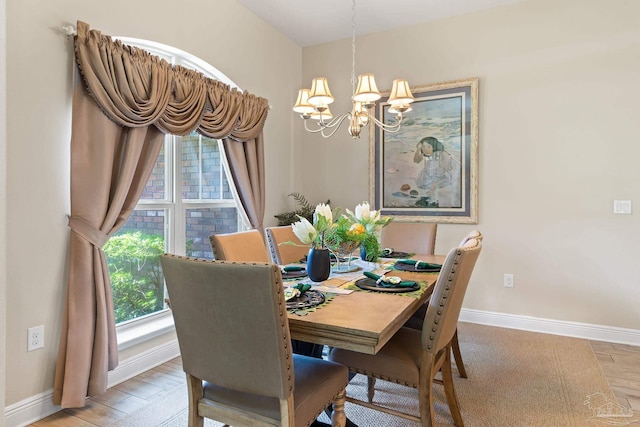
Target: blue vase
{"x":365,"y":256}
{"x":318,"y":264}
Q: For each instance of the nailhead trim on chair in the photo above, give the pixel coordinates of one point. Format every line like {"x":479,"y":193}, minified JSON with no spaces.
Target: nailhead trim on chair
{"x":279,"y":287}
{"x":444,"y":296}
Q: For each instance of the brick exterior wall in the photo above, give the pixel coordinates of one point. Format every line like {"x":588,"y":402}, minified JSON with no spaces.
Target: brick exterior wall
{"x":200,"y":222}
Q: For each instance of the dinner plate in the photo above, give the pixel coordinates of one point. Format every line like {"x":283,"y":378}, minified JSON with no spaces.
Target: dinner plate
{"x":294,"y":274}
{"x":396,"y":254}
{"x":412,"y":267}
{"x":370,"y":285}
{"x":309,"y":299}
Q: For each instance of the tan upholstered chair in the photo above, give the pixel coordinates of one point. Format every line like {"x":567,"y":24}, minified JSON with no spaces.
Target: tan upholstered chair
{"x":284,"y":254}
{"x":416,"y":237}
{"x":240,"y":246}
{"x":415,"y":321}
{"x":413,"y":357}
{"x":455,"y":345}
{"x":221,"y":317}
{"x":473,"y":234}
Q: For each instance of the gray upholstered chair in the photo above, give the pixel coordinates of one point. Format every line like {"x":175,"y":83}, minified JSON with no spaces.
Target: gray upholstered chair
{"x":248,"y":246}
{"x":414,"y":357}
{"x":282,"y":253}
{"x":240,"y":246}
{"x":223,"y":311}
{"x":416,"y":237}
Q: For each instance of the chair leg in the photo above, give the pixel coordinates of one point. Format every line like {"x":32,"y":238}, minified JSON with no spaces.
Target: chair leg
{"x":457,"y":356}
{"x":427,"y":415}
{"x":450,"y":392}
{"x":371,"y":388}
{"x":194,"y":386}
{"x":338,"y":417}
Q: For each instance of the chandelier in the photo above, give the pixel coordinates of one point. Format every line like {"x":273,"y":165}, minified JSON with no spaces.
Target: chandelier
{"x":313,"y":104}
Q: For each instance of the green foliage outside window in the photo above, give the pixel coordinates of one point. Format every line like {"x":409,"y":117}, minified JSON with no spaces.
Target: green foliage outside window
{"x":137,"y":283}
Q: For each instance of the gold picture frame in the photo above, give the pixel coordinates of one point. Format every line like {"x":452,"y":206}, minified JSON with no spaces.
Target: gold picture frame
{"x":427,"y":171}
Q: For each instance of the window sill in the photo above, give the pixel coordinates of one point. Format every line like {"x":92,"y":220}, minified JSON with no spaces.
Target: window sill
{"x":141,"y":330}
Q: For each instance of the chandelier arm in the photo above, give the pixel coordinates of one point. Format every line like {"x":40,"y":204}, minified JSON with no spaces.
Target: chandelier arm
{"x":320,"y":128}
{"x":335,"y":129}
{"x":334,"y":123}
{"x":384,"y":126}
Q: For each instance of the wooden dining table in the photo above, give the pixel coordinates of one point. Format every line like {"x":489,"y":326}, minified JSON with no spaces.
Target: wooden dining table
{"x":362,"y":321}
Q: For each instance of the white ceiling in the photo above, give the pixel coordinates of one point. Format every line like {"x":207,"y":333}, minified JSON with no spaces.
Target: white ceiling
{"x":308,"y":22}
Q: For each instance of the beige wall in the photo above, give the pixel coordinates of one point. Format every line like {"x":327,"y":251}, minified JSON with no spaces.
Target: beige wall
{"x":3,"y":205}
{"x":39,"y":72}
{"x":558,"y":143}
{"x":558,"y":81}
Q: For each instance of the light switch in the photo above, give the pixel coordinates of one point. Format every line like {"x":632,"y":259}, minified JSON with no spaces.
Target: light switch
{"x":622,"y":206}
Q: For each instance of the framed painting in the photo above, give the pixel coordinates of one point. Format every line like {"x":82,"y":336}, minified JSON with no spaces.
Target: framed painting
{"x":427,"y":170}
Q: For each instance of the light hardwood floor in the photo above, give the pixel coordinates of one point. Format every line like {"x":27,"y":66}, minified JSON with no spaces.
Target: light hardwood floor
{"x":620,"y":364}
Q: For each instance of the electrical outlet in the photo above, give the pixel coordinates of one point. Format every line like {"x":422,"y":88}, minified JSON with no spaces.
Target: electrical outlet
{"x":508,"y":280}
{"x":35,"y":338}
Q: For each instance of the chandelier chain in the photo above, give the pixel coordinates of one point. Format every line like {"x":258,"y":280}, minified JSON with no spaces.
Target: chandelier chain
{"x":353,"y":46}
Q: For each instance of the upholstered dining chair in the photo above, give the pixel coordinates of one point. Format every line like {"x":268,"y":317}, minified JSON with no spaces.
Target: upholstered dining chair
{"x":415,"y":321}
{"x":284,"y":253}
{"x":455,"y":344}
{"x":239,"y":246}
{"x":248,"y":246}
{"x":414,"y":358}
{"x":221,"y":317}
{"x":416,"y":237}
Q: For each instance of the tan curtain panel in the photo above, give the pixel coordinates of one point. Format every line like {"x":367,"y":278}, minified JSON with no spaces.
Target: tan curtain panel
{"x":122,"y":105}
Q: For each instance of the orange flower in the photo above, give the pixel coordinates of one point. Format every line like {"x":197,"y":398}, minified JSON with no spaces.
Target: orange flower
{"x":356,"y":228}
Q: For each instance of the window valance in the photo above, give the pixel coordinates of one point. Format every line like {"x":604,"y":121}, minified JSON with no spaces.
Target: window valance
{"x":135,"y":89}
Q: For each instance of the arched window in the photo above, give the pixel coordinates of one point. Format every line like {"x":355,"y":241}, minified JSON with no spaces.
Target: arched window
{"x":188,"y":197}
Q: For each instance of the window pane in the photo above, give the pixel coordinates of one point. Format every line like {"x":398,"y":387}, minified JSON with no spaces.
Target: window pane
{"x":203,"y":222}
{"x":156,"y":186}
{"x":203,"y":175}
{"x":133,"y":258}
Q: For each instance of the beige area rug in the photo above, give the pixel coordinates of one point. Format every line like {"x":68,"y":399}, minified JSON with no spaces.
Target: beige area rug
{"x":515,"y":378}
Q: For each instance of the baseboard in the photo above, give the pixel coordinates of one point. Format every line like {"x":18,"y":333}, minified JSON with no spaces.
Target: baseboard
{"x":143,"y":362}
{"x":554,"y":327}
{"x":40,"y":406}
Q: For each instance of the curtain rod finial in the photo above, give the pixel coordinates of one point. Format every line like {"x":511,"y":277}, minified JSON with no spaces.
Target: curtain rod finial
{"x":69,"y":30}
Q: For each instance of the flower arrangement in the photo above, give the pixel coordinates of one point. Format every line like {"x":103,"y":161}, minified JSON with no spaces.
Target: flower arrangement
{"x":368,"y":223}
{"x":346,"y":233}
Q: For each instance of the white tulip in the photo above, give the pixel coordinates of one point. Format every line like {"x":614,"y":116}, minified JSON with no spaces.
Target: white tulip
{"x":305,"y":231}
{"x":374,"y":216}
{"x":323,"y":210}
{"x":363,"y":211}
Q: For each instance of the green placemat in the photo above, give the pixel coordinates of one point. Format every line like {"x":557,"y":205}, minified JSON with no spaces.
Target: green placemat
{"x":304,"y":311}
{"x":414,"y":294}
